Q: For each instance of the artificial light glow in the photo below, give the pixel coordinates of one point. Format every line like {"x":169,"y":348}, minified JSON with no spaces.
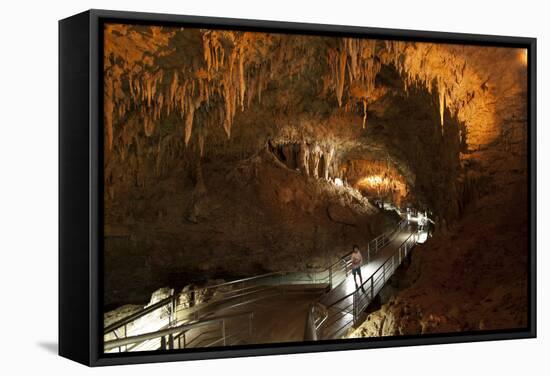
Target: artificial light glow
{"x":339,"y":182}
{"x":524,"y":56}
{"x":373,"y":180}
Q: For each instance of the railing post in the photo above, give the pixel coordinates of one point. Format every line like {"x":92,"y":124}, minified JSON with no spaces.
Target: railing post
{"x":345,"y":267}
{"x":354,"y":308}
{"x":368,"y":253}
{"x":125,"y":335}
{"x":223,"y":332}
{"x":171,"y":342}
{"x":372,"y":287}
{"x":172,"y":317}
{"x":163,"y":343}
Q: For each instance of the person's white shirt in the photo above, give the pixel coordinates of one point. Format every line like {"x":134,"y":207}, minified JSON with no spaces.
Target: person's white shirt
{"x":356,"y":259}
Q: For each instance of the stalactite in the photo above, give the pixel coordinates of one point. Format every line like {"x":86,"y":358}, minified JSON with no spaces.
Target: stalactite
{"x":231,"y":70}
{"x":460,"y":89}
{"x":206,"y":50}
{"x":201,"y":141}
{"x":158,"y":164}
{"x":149,"y":89}
{"x":352,"y":51}
{"x":252,"y":88}
{"x":362,"y":68}
{"x":341,"y":77}
{"x":242,"y":85}
{"x":109,"y":109}
{"x":441,"y":94}
{"x":364,"y":113}
{"x":228,"y":111}
{"x":261,"y":74}
{"x":159,"y":104}
{"x":189,"y":114}
{"x":148,"y":126}
{"x":173,"y":89}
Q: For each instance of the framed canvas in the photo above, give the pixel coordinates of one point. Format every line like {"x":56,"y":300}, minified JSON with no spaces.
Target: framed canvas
{"x":236,"y":187}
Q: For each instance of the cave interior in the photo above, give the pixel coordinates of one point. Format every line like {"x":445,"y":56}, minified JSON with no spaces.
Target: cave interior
{"x":229,"y":154}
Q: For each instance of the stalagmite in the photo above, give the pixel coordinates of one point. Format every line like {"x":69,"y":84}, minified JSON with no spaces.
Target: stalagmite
{"x":317,"y":153}
{"x":304,"y":158}
{"x":328,"y":162}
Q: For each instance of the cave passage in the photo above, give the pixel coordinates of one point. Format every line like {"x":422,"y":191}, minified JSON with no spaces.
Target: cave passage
{"x":314,"y":305}
{"x":267,"y":158}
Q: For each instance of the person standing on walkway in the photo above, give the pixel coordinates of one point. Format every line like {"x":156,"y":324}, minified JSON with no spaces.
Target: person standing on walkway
{"x":356,"y":262}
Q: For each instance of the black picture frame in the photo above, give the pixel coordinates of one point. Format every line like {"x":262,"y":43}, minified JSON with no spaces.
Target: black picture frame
{"x":80,"y":185}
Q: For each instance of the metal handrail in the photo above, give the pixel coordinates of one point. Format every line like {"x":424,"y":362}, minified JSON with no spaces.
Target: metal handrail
{"x":332,"y":269}
{"x":374,"y":280}
{"x":117,"y":343}
{"x":173,"y":298}
{"x":387,"y":272}
{"x":375,"y":241}
{"x":136,"y":315}
{"x":373,"y":274}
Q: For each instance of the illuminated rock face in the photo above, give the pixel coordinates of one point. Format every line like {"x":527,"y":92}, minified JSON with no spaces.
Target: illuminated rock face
{"x":377,"y":179}
{"x":223,"y":148}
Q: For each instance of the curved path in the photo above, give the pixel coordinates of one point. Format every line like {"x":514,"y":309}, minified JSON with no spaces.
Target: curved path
{"x":280,"y":298}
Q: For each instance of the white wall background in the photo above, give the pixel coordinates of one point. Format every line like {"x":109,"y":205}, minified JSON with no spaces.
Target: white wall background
{"x":28,"y":185}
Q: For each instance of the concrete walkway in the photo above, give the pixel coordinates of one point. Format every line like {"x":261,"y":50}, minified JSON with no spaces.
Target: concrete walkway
{"x":339,"y":300}
{"x":280,"y":304}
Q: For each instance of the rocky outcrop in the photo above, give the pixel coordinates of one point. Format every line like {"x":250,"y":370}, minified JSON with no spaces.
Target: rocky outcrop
{"x":469,"y":279}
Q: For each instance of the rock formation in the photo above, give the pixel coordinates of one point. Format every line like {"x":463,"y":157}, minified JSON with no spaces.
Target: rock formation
{"x":233,"y":153}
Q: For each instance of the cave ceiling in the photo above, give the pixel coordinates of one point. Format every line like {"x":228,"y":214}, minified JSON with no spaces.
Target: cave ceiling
{"x":350,"y":99}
